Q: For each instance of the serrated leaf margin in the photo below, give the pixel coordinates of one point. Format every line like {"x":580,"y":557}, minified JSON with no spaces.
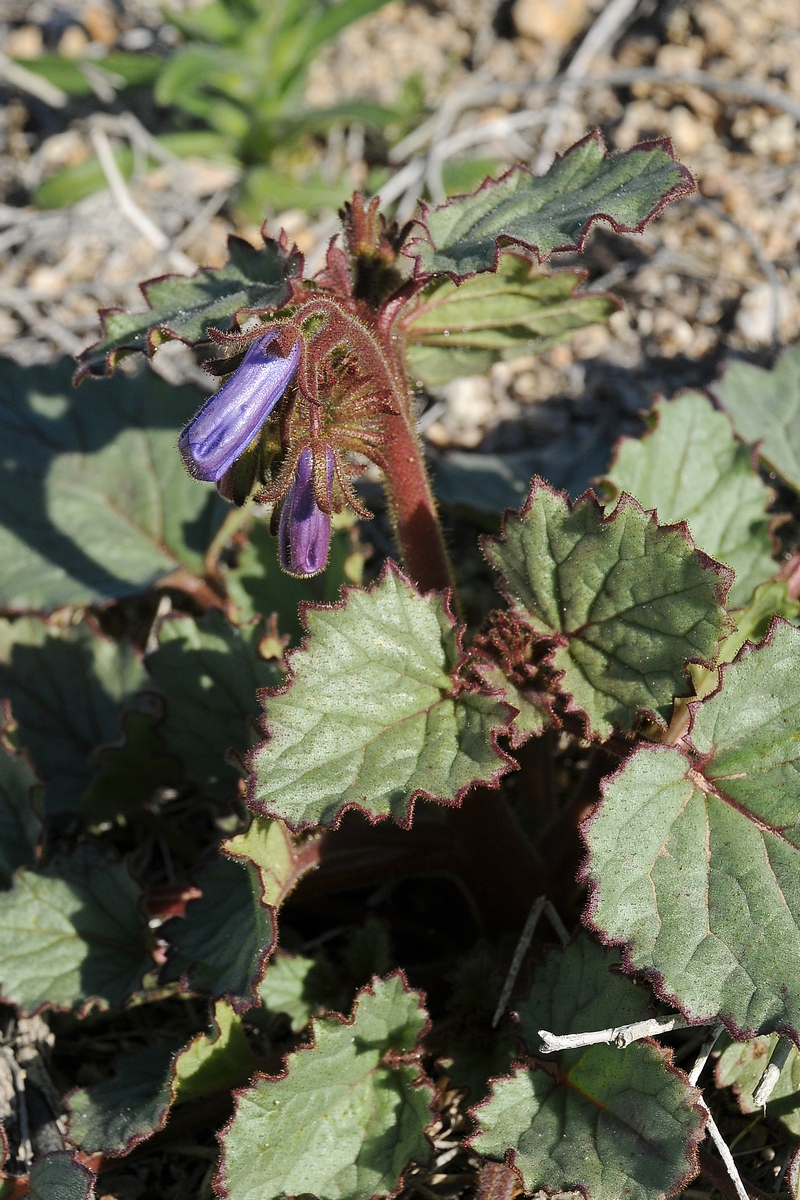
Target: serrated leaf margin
{"x":725,"y":578}
{"x":506,"y":764}
{"x":295,"y":262}
{"x":82,"y":1009}
{"x":655,"y":978}
{"x":137,"y":1139}
{"x":369,"y":989}
{"x":530,"y":1062}
{"x":684,"y":187}
{"x":653,"y":422}
{"x":239,"y":1004}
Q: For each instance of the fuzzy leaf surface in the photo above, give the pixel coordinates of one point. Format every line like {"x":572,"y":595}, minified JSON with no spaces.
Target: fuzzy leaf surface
{"x":462,"y":330}
{"x":221,"y":945}
{"x":626,"y":601}
{"x":552,"y":211}
{"x":270,"y":849}
{"x":741,"y":1066}
{"x":251,"y":281}
{"x":694,"y":856}
{"x":59,"y":1176}
{"x":348,"y":1115}
{"x":765,"y":408}
{"x":368,"y":718}
{"x":297,"y":986}
{"x":752,"y":623}
{"x":20,"y":827}
{"x":209,"y":672}
{"x":611,"y":1123}
{"x":531,"y":718}
{"x":67,"y":688}
{"x":114,"y":1116}
{"x":73,"y":934}
{"x":691,"y":468}
{"x":94,"y":501}
{"x":213,"y":1061}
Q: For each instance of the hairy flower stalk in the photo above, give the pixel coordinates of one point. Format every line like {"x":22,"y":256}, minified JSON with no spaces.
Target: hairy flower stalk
{"x":304,"y":534}
{"x":229,"y":420}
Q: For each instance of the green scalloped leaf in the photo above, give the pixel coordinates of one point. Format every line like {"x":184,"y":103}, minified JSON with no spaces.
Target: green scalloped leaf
{"x":752,"y":625}
{"x":454,"y":330}
{"x":209,"y":672}
{"x":73,"y":935}
{"x":531,"y":719}
{"x":298,"y":986}
{"x":765,"y":409}
{"x":251,"y":281}
{"x":613,"y":1124}
{"x":67,"y":687}
{"x":371,"y":717}
{"x":114,"y":1116}
{"x":270,"y":849}
{"x":741,"y":1066}
{"x":59,"y":1176}
{"x":627,"y":602}
{"x":691,"y":468}
{"x":215,"y":1061}
{"x":694,"y":853}
{"x":20,"y":826}
{"x":348,"y":1115}
{"x":220,"y":947}
{"x":94,"y":501}
{"x":552,"y":211}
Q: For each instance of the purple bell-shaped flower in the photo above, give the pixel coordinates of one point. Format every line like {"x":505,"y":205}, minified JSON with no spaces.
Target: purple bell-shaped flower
{"x":229,"y":420}
{"x":304,"y":533}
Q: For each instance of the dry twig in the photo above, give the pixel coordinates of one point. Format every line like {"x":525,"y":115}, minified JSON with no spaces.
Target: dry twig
{"x":30,"y":82}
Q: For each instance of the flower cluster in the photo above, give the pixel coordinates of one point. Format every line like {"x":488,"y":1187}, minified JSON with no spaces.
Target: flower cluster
{"x":302,"y":375}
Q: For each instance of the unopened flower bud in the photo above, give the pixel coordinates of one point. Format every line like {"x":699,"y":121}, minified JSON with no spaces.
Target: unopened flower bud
{"x":304,"y":534}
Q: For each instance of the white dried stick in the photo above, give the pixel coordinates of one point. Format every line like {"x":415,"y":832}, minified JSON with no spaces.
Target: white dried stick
{"x":620,"y":1035}
{"x":128,"y":206}
{"x":524,"y":942}
{"x":777,"y":1061}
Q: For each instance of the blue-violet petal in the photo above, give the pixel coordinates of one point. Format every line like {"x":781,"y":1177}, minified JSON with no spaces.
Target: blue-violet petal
{"x":304,"y":534}
{"x":229,"y":420}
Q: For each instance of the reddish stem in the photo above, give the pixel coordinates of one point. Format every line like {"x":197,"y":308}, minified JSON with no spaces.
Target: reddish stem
{"x":496,"y":1181}
{"x":413,"y":506}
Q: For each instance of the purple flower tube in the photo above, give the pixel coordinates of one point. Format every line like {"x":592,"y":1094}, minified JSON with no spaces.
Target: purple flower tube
{"x":304,"y":534}
{"x":229,"y":420}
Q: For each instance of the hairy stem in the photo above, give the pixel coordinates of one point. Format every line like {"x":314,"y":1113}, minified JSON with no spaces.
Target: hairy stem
{"x":497,"y":1181}
{"x":413,"y":506}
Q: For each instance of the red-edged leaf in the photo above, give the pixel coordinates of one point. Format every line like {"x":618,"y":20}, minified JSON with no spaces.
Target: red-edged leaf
{"x":550,"y":212}
{"x":373,"y":714}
